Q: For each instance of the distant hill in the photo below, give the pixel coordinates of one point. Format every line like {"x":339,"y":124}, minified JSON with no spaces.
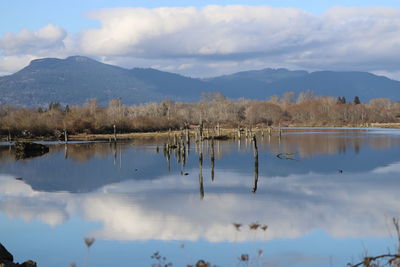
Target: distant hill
{"x":75,"y":79}
{"x":264,"y":83}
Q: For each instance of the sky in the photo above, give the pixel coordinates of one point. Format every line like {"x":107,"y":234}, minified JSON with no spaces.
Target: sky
{"x":206,"y":37}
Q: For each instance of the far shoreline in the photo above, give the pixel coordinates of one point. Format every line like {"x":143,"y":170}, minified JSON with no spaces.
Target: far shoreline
{"x":230,"y":133}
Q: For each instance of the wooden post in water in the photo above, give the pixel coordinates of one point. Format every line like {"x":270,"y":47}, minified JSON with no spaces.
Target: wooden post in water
{"x":187,"y":141}
{"x":168,"y":154}
{"x":183,"y":152}
{"x":255,"y":152}
{"x":187,"y":133}
{"x":201,"y":131}
{"x":212,"y":159}
{"x":201,"y":172}
{"x":65,"y":136}
{"x":178,"y":150}
{"x":115,"y":133}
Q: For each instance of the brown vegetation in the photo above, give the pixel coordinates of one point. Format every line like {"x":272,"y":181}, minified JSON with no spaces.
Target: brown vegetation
{"x":90,"y":118}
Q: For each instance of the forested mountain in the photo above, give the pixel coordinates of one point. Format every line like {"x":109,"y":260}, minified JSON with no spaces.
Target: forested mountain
{"x":267,"y":82}
{"x":75,"y":79}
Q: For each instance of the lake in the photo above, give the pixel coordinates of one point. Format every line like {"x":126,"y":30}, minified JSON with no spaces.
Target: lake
{"x":320,"y":197}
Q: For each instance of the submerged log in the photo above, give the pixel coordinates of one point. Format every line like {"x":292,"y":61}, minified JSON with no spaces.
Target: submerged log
{"x":25,"y":150}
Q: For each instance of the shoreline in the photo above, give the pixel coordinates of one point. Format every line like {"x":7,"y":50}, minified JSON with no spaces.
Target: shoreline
{"x":228,"y":132}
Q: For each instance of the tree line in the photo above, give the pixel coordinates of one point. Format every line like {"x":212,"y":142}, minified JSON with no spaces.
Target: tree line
{"x":304,"y":109}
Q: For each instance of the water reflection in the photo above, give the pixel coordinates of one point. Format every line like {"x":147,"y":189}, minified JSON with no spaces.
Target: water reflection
{"x":323,"y":152}
{"x":167,"y":208}
{"x":306,"y":144}
{"x":134,"y":192}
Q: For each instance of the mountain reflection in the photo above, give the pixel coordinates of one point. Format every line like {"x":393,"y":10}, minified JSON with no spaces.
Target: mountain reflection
{"x":168,"y":208}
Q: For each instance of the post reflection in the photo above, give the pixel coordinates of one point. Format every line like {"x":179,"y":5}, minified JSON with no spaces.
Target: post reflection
{"x":255,"y":153}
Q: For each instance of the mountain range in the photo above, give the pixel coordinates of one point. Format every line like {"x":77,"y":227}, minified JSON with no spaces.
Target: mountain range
{"x":75,"y":79}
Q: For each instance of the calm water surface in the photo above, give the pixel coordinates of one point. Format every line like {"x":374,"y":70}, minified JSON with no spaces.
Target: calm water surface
{"x":330,"y":203}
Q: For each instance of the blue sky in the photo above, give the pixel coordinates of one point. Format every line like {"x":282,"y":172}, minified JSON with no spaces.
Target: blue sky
{"x":204,"y":41}
{"x":19,"y":14}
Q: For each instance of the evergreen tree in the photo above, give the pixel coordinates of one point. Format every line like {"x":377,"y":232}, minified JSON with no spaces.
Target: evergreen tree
{"x":357,"y":100}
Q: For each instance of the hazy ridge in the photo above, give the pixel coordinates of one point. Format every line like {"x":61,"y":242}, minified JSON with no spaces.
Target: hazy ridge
{"x":75,"y":79}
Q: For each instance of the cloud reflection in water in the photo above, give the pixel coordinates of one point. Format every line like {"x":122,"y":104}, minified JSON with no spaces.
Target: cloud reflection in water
{"x":170,"y":208}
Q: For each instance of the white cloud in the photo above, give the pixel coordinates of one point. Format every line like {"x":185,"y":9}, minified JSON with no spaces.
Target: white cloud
{"x":199,"y":41}
{"x":26,"y":42}
{"x":9,"y":64}
{"x":195,"y":32}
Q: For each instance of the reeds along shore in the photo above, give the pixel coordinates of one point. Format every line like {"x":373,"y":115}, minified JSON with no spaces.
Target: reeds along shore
{"x":213,"y":112}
